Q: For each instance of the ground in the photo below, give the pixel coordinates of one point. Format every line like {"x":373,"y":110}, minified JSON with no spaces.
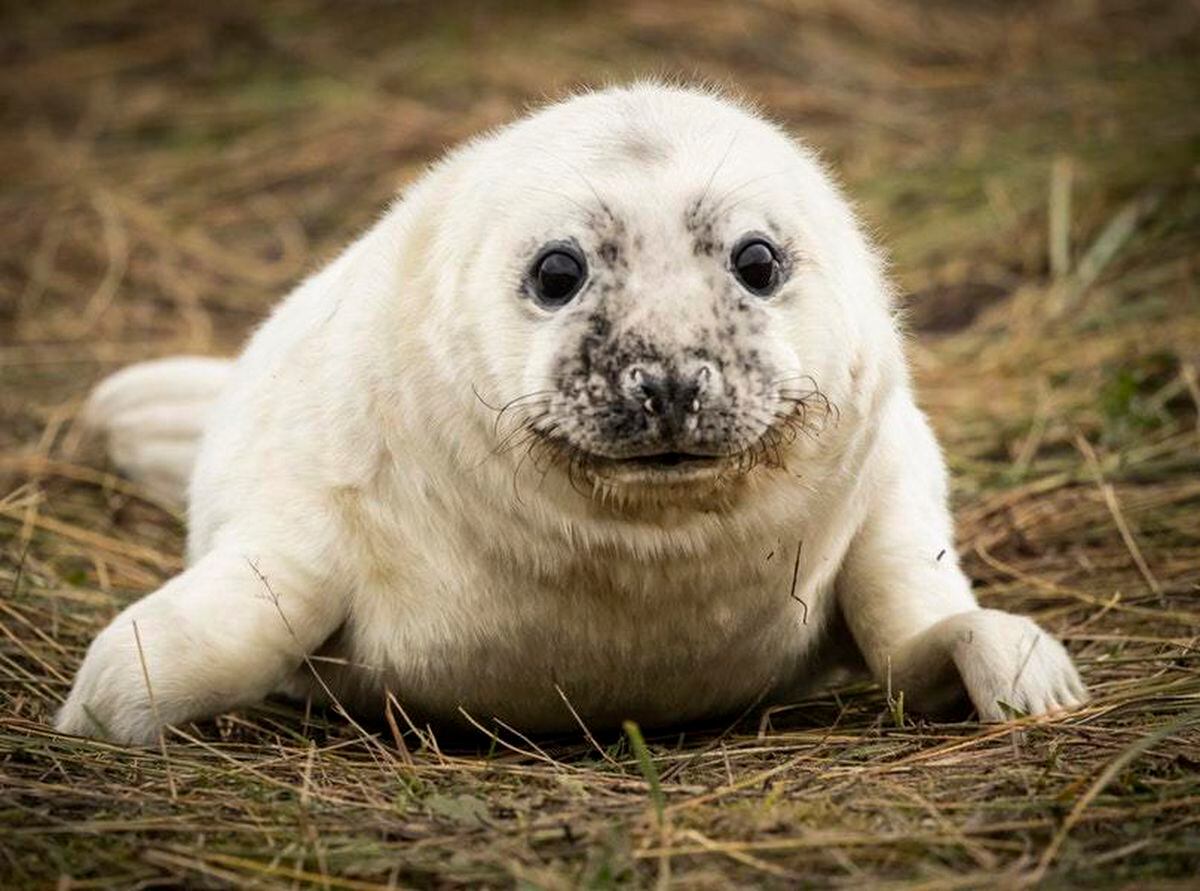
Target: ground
{"x":167,"y":170}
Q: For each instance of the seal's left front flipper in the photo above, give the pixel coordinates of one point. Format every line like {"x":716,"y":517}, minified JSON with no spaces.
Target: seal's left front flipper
{"x":1006,"y":665}
{"x":910,"y":607}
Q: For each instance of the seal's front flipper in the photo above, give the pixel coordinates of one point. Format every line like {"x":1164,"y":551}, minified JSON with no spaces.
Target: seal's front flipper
{"x":1005,"y":664}
{"x":910,"y":607}
{"x":224,"y":633}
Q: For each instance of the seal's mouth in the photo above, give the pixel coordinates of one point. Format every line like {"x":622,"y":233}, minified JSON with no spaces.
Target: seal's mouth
{"x":666,"y":459}
{"x":663,"y":460}
{"x":660,"y":467}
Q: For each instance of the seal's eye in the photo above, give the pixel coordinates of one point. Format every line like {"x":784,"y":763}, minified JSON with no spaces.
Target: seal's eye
{"x":756,"y":266}
{"x":557,"y":276}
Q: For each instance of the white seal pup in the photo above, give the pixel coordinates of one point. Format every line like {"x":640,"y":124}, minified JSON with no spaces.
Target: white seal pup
{"x":611,"y":407}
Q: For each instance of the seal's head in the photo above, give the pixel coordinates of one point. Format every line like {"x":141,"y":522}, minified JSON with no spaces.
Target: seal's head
{"x":684,"y":296}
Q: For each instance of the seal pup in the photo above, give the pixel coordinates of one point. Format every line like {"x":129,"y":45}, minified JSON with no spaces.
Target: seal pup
{"x":610,"y":408}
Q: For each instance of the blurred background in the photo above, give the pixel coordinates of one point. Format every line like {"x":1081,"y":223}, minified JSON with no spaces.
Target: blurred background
{"x":168,"y":170}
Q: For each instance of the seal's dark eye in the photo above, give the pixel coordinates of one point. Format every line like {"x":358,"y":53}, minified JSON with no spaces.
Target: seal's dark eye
{"x":756,"y":266}
{"x":557,"y":277}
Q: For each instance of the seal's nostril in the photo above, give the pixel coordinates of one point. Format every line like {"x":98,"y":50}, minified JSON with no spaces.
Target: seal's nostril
{"x":668,"y":395}
{"x":655,"y":391}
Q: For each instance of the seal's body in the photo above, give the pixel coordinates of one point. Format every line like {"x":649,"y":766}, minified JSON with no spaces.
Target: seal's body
{"x":609,"y":410}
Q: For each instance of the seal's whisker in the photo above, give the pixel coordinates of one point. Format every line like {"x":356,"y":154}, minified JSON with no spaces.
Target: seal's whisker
{"x":500,"y":410}
{"x":727,"y":208}
{"x":559,"y":194}
{"x":542,"y":397}
{"x":811,"y":399}
{"x":712,"y":176}
{"x":791,"y":377}
{"x":526,"y":427}
{"x":587,"y":182}
{"x":718,"y":206}
{"x":513,"y":442}
{"x":543,"y":445}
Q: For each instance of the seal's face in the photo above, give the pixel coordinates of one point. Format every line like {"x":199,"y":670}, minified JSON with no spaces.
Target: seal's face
{"x":671,"y":316}
{"x":665,"y":369}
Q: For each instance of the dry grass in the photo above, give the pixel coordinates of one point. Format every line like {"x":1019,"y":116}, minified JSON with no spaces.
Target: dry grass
{"x":167,"y":170}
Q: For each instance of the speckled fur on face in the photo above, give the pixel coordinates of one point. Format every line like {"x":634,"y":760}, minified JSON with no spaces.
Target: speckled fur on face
{"x":664,"y":351}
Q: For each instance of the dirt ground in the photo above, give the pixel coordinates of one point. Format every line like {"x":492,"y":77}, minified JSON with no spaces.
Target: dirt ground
{"x":168,"y":170}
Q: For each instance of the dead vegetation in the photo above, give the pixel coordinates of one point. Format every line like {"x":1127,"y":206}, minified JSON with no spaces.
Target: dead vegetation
{"x":167,"y":170}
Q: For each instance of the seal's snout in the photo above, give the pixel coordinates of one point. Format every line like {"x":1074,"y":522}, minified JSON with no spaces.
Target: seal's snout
{"x":672,"y":396}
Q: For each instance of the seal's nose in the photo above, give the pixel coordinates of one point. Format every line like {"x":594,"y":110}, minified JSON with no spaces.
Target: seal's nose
{"x":667,"y":395}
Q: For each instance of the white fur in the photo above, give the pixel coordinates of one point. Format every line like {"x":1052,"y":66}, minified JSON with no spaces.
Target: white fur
{"x":349,"y":495}
{"x":154,"y":414}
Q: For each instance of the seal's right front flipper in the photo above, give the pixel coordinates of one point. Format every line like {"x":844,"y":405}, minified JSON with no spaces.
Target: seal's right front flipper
{"x":224,"y":633}
{"x":153,"y":414}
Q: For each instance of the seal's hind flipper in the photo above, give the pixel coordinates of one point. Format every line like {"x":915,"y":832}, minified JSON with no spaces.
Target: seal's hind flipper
{"x":153,"y":414}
